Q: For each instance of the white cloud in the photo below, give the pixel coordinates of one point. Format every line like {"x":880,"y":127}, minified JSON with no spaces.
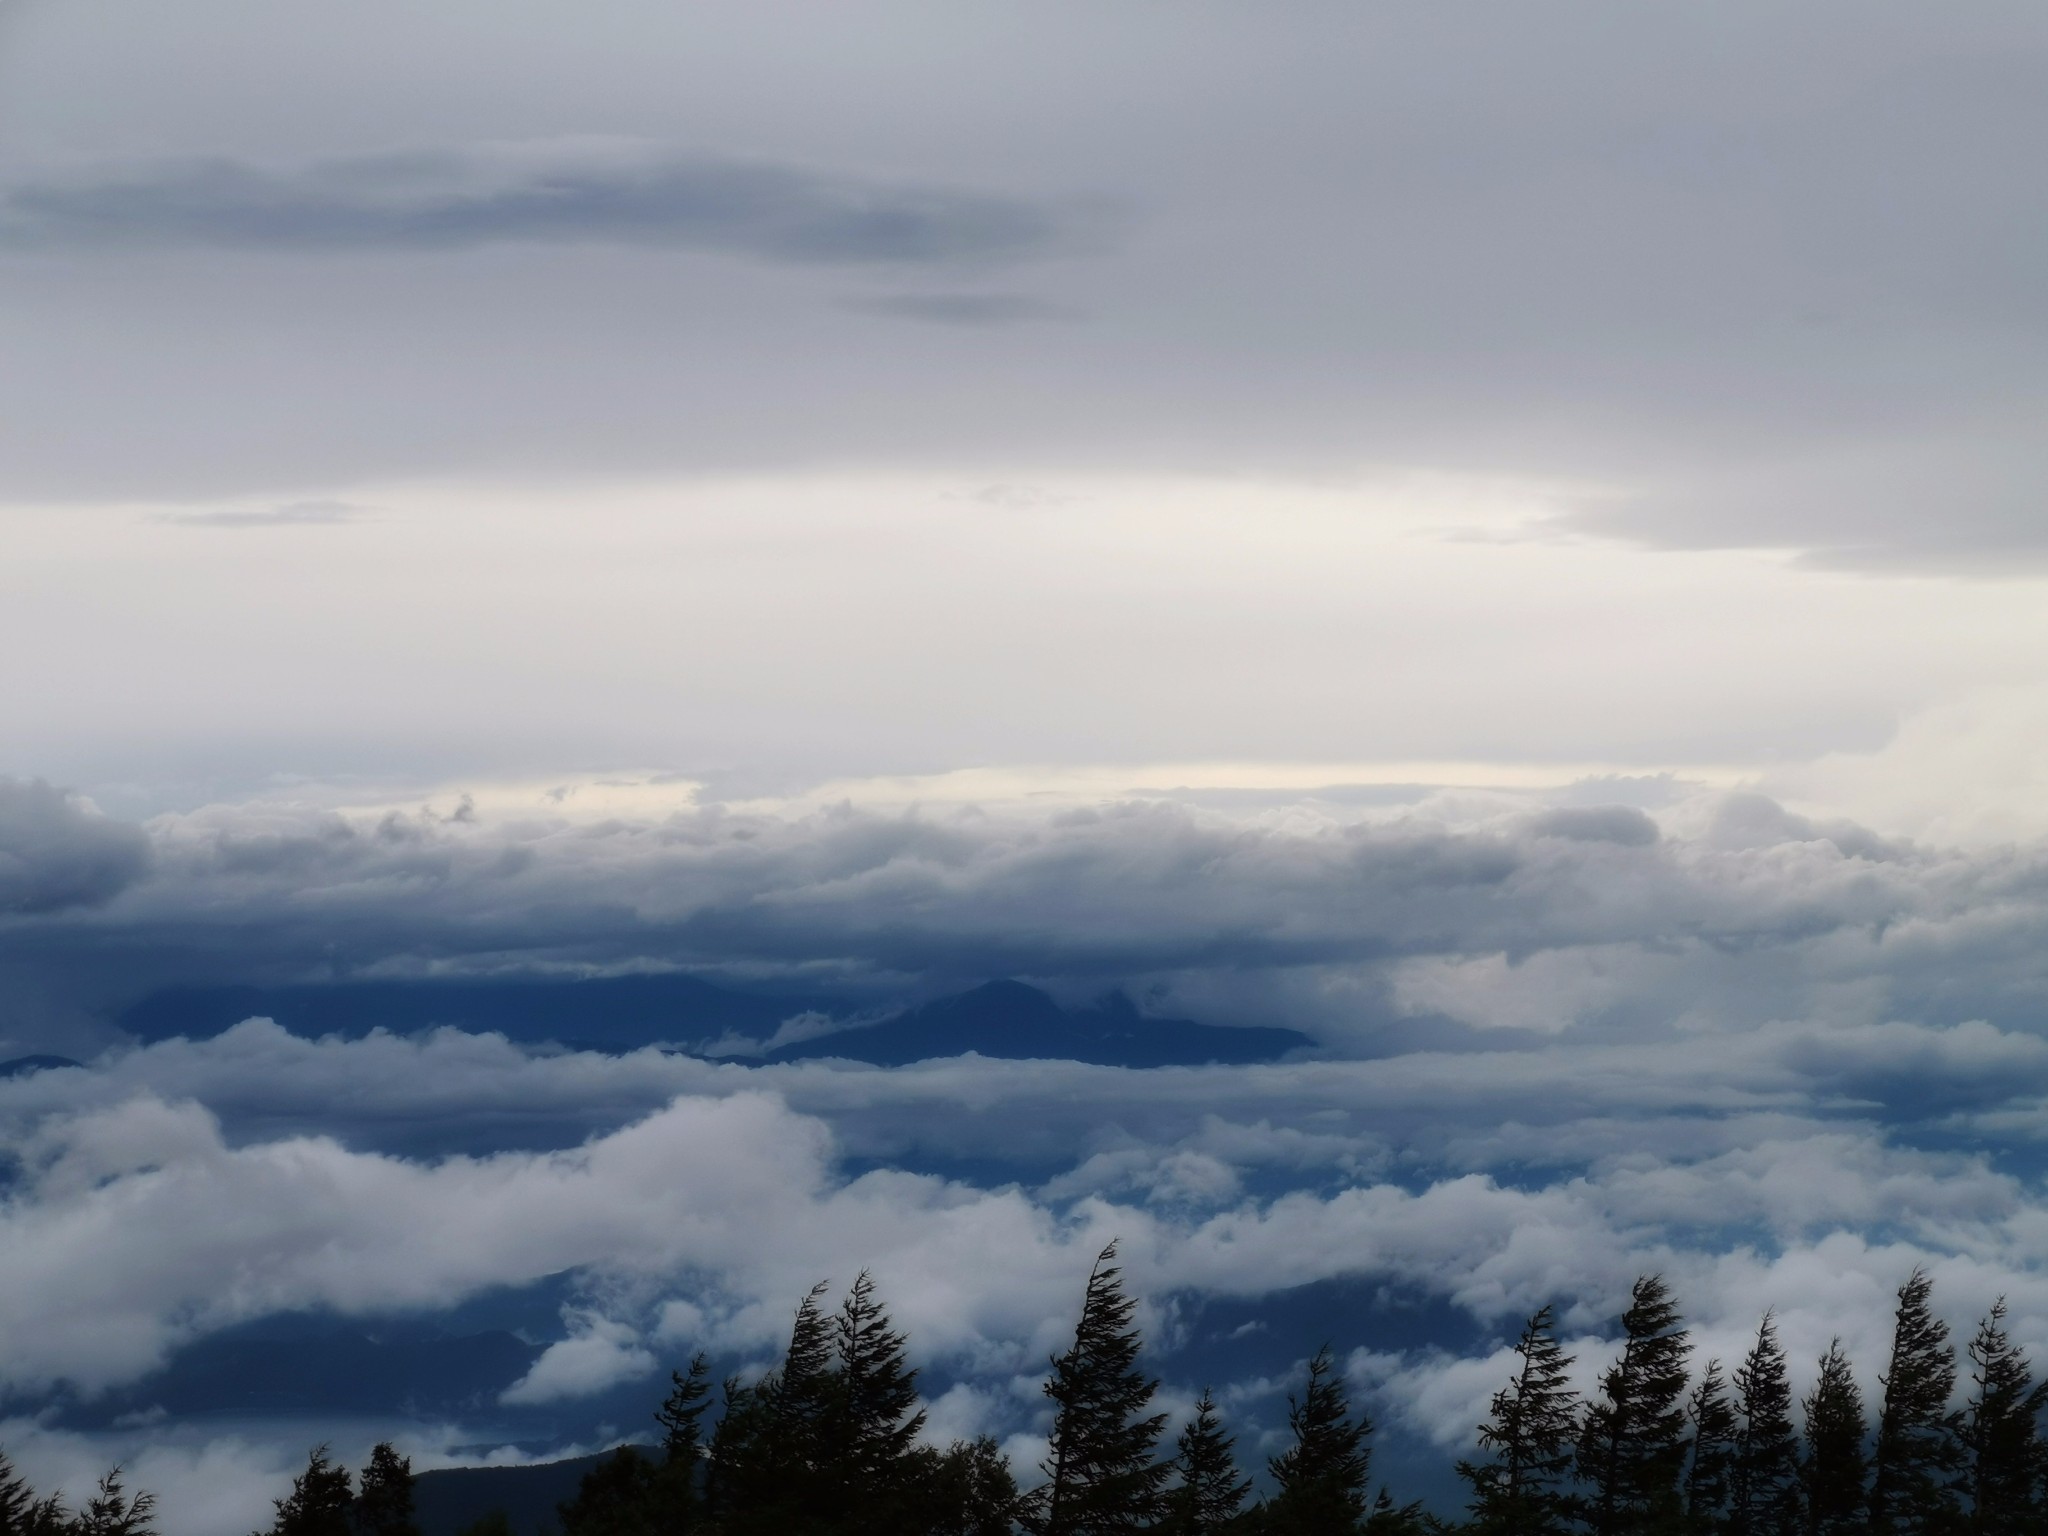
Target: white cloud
{"x":600,"y":1352}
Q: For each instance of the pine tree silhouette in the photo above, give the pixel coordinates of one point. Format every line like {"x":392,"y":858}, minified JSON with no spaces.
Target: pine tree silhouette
{"x":320,"y":1503}
{"x":384,"y":1506}
{"x":1320,"y":1479}
{"x":1522,"y":1491}
{"x":1917,"y":1455}
{"x":615,"y":1498}
{"x":2000,"y":1432}
{"x":1100,"y":1475}
{"x":678,"y":1506}
{"x":1832,"y":1478}
{"x":1765,"y":1497}
{"x":875,"y":1417}
{"x":1710,"y":1469}
{"x":965,"y":1490}
{"x":1632,"y":1445}
{"x":113,"y":1511}
{"x":1208,"y":1490}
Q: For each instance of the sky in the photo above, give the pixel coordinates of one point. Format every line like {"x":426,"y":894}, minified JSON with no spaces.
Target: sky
{"x":1506,"y":538}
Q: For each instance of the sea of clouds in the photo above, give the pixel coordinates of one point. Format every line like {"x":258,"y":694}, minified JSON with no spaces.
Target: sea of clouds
{"x":1559,"y":1043}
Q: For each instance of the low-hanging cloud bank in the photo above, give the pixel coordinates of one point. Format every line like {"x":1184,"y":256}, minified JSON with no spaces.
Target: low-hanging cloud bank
{"x":1461,"y":922}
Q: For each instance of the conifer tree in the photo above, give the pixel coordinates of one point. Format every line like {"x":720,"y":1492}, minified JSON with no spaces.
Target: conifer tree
{"x":681,"y":1414}
{"x":801,"y":1401}
{"x":615,"y":1498}
{"x":1765,"y":1484}
{"x":384,"y":1506}
{"x":113,"y":1511}
{"x":320,"y":1502}
{"x":1917,"y":1454}
{"x":1710,"y":1470}
{"x":677,"y":1504}
{"x":734,"y":1471}
{"x":965,"y":1490}
{"x":1832,"y":1478}
{"x":2000,"y":1432}
{"x":1100,"y":1475}
{"x":1391,"y":1519}
{"x":17,"y":1498}
{"x":1632,"y":1445}
{"x":874,"y":1419}
{"x":770,"y":1449}
{"x":1208,"y":1492}
{"x":1320,"y":1479}
{"x":1521,"y":1491}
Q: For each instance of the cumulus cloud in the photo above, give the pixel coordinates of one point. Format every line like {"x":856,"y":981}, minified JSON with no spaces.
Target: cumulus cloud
{"x":578,"y":192}
{"x":57,"y":852}
{"x":600,"y":1352}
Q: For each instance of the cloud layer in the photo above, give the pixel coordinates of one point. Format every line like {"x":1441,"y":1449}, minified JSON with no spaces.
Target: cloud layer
{"x":580,"y":193}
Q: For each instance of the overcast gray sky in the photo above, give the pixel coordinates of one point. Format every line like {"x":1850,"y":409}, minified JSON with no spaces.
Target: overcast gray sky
{"x":1507,"y":536}
{"x":802,"y":392}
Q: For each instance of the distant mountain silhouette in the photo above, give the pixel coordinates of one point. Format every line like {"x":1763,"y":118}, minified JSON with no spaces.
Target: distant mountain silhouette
{"x":1005,"y":1019}
{"x":1013,"y":1021}
{"x":609,"y":1013}
{"x":20,"y":1066}
{"x":455,"y":1498}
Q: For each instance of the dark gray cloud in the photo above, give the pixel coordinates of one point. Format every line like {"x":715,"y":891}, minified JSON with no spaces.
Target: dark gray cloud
{"x":57,"y":854}
{"x":454,"y":200}
{"x":1418,"y":930}
{"x":319,"y":512}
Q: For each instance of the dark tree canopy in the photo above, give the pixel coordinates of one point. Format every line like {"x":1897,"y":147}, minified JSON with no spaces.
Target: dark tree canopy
{"x":1208,"y":1490}
{"x":1632,"y":1446}
{"x":1764,"y":1490}
{"x":1524,"y":1489}
{"x":1833,"y":1476}
{"x":874,"y":1420}
{"x":1918,"y":1454}
{"x":1101,"y":1477}
{"x":113,"y":1511}
{"x":384,"y":1506}
{"x":1710,"y":1468}
{"x":2000,"y":1432}
{"x":1319,"y":1481}
{"x":321,"y":1502}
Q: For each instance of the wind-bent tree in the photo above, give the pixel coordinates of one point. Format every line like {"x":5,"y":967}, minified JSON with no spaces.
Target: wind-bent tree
{"x":1320,"y":1479}
{"x":113,"y":1511}
{"x":1100,"y":1475}
{"x":874,"y":1418}
{"x":1710,"y":1470}
{"x":769,"y":1454}
{"x":1632,"y":1445}
{"x":1918,"y":1455}
{"x":1764,"y":1487}
{"x":1208,"y":1491}
{"x":320,"y":1502}
{"x":678,"y":1507}
{"x":21,"y":1512}
{"x":384,"y":1502}
{"x":1832,"y":1478}
{"x":1523,"y":1490}
{"x":2000,"y":1434}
